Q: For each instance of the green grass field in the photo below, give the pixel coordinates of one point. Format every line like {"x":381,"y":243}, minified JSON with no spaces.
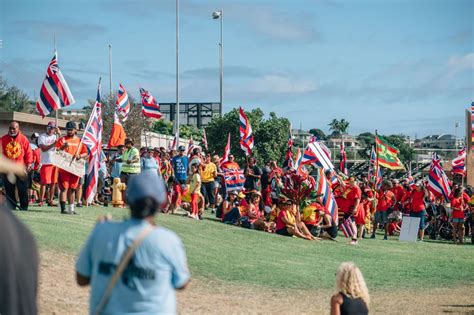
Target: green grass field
{"x":222,"y":252}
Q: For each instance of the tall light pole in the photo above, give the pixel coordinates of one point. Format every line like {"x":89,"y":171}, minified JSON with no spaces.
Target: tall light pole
{"x":176,"y":126}
{"x":220,"y":15}
{"x":110,"y":72}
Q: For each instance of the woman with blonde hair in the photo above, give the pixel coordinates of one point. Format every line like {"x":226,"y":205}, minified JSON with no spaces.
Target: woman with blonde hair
{"x":353,"y":296}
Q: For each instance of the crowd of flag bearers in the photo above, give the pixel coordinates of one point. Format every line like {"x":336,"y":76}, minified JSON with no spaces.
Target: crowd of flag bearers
{"x":304,"y":197}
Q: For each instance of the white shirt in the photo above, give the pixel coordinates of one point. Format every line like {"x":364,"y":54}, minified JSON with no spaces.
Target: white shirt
{"x":46,"y":156}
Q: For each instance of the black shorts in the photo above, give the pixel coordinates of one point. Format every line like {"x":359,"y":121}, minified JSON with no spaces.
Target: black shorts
{"x":283,"y":232}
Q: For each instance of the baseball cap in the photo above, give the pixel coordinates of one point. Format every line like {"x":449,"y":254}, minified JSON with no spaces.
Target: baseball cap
{"x":146,"y":184}
{"x":51,"y":124}
{"x":181,"y":148}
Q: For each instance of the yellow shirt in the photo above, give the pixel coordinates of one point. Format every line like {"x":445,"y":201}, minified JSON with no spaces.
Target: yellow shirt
{"x":309,"y":214}
{"x":208,"y":173}
{"x":195,"y":183}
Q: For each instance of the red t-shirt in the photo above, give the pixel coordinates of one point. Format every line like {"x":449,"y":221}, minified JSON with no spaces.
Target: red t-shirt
{"x":385,"y":200}
{"x":17,"y":149}
{"x":398,"y":191}
{"x":351,"y":195}
{"x":417,"y":201}
{"x":457,"y":204}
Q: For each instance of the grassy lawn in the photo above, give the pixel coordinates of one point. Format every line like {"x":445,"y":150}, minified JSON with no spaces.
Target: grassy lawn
{"x":223,"y":252}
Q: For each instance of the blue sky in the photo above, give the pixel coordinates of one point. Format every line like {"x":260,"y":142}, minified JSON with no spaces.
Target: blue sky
{"x":404,"y":66}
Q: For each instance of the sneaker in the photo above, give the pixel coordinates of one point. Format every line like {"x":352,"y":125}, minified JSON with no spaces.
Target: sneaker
{"x":372,"y":237}
{"x":65,"y":212}
{"x":213,"y":210}
{"x":385,"y":238}
{"x":79,"y":205}
{"x":74,"y":212}
{"x":354,"y":242}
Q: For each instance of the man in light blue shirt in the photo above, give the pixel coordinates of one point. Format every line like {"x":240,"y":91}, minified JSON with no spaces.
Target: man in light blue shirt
{"x":157,"y":268}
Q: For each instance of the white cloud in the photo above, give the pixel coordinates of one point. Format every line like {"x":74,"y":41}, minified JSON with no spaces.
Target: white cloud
{"x":459,"y":64}
{"x":280,"y":84}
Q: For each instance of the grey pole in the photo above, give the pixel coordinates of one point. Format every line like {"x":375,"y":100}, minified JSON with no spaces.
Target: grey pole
{"x":176,"y":130}
{"x":221,"y":65}
{"x":110,"y":72}
{"x":220,"y":15}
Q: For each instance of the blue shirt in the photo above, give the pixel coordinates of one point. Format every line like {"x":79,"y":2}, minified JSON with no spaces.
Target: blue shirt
{"x":147,"y":286}
{"x":149,"y":163}
{"x":180,"y":167}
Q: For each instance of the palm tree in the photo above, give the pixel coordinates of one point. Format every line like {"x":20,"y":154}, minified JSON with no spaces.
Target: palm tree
{"x":334,"y":127}
{"x":343,"y":126}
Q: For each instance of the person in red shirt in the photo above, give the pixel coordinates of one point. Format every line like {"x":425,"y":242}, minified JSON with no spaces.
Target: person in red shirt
{"x":348,"y":203}
{"x":418,"y":208}
{"x":16,"y":147}
{"x":68,"y":183}
{"x":459,"y":201}
{"x":399,"y":192}
{"x":385,"y":201}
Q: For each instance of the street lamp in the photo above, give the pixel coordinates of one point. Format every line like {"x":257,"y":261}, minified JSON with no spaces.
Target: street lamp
{"x":176,"y":125}
{"x":220,"y":15}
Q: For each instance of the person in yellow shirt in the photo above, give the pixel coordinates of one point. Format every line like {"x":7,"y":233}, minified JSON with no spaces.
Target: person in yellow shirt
{"x":208,"y":174}
{"x":195,"y":190}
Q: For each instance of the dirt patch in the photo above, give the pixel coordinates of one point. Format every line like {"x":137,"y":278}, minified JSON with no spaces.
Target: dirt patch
{"x":59,"y":294}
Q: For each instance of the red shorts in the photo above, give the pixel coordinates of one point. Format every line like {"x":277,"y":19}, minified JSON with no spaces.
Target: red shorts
{"x":48,"y":174}
{"x":67,"y":180}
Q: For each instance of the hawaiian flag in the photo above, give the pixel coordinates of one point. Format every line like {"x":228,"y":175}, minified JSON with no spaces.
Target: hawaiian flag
{"x":343,"y":159}
{"x":190,"y":146}
{"x":314,"y":154}
{"x":173,"y":145}
{"x":327,"y":197}
{"x":298,"y":167}
{"x":55,"y":93}
{"x":122,"y":103}
{"x":150,"y":108}
{"x":92,"y":139}
{"x":225,"y":156}
{"x":246,"y":136}
{"x":375,"y":172}
{"x":204,"y":139}
{"x":459,"y":163}
{"x":438,"y":182}
{"x":324,"y":148}
{"x":234,"y":179}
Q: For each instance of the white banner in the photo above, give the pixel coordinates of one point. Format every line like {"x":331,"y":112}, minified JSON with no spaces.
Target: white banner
{"x":65,"y":161}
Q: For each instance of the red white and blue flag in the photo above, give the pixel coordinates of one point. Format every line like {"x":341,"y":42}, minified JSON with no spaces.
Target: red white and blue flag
{"x":173,"y":145}
{"x":438,"y":182}
{"x":92,"y":139}
{"x":54,"y":93}
{"x":150,"y":108}
{"x":246,"y":136}
{"x":225,"y":156}
{"x":459,"y":163}
{"x":375,"y":172}
{"x":122,"y":103}
{"x":204,"y":139}
{"x":315,"y":154}
{"x":343,"y":159}
{"x":190,"y":146}
{"x":327,"y":197}
{"x":234,"y":179}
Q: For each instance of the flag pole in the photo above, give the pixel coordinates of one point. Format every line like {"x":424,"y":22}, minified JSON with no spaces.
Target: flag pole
{"x":110,"y":71}
{"x":57,"y":110}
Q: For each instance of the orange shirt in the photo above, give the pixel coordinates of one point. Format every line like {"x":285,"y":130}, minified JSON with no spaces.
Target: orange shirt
{"x":73,"y":145}
{"x":417,"y":201}
{"x":398,"y":191}
{"x":17,"y":149}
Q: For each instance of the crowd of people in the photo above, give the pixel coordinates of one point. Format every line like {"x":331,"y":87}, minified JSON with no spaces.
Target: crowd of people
{"x":196,"y":181}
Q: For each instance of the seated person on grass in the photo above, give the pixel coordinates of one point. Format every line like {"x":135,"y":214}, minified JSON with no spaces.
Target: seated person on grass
{"x":252,"y":213}
{"x":230,"y":212}
{"x":310,"y":217}
{"x":186,"y":201}
{"x":288,"y":222}
{"x":327,"y":225}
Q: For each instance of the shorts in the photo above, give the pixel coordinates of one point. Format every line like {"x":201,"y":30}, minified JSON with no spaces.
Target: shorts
{"x":381,"y":217}
{"x":283,"y":232}
{"x":68,"y":180}
{"x":457,"y":220}
{"x":48,"y":174}
{"x":420,"y":215}
{"x":125,"y":177}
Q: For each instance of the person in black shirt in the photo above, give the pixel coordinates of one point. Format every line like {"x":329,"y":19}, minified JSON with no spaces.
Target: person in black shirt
{"x":352,"y":296}
{"x":252,"y":175}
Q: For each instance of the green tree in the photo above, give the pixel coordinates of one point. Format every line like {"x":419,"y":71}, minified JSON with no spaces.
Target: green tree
{"x":318,"y":133}
{"x":163,"y":127}
{"x":406,"y":152}
{"x":338,"y":127}
{"x":270,"y":135}
{"x":12,"y":99}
